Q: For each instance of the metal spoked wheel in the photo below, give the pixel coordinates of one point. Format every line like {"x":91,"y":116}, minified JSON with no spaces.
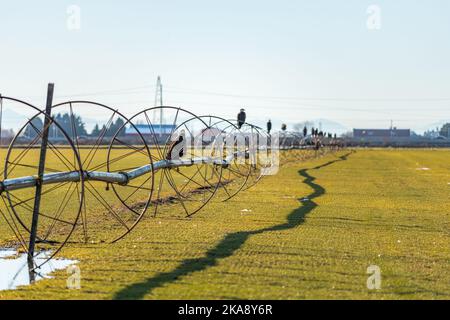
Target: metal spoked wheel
{"x":237,"y":170}
{"x":60,"y":202}
{"x":96,"y":172}
{"x":252,"y":135}
{"x":187,"y":171}
{"x":111,"y":210}
{"x":268,"y":153}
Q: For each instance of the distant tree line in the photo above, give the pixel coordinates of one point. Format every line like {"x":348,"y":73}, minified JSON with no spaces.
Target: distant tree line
{"x":445,"y":130}
{"x":73,"y":126}
{"x":308,"y":126}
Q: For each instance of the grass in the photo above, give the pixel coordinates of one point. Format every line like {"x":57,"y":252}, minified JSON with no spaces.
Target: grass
{"x":309,"y":232}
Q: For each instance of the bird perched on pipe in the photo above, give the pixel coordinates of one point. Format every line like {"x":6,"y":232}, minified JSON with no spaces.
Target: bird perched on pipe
{"x":241,"y":118}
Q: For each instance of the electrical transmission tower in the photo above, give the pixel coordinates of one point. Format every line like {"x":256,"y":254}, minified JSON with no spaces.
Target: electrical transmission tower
{"x":158,"y":103}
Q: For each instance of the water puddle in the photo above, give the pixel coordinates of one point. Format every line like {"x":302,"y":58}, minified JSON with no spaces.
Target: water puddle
{"x":14,"y":268}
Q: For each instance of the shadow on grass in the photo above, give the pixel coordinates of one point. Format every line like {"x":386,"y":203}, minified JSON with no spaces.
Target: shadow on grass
{"x":229,"y":244}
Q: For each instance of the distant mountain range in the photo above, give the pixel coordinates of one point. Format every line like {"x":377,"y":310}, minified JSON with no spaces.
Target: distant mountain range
{"x":330,"y":126}
{"x":12,"y":119}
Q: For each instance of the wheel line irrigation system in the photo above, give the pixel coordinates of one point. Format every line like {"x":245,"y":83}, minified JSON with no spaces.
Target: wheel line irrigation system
{"x":221,"y":155}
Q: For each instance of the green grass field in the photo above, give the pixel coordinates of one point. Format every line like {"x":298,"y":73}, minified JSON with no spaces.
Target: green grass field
{"x":309,"y":232}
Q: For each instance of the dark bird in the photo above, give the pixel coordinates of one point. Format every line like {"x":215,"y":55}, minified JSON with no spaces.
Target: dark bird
{"x":177,"y":147}
{"x":269,"y":126}
{"x":241,"y":118}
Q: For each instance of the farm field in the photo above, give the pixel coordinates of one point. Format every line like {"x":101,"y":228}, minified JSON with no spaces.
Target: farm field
{"x":309,"y":232}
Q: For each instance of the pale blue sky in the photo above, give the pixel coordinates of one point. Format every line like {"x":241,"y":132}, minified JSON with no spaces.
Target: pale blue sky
{"x":286,"y":60}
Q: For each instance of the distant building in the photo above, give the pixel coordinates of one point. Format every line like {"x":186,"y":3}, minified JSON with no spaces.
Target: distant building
{"x":155,"y":134}
{"x":381,"y":134}
{"x":144,"y":129}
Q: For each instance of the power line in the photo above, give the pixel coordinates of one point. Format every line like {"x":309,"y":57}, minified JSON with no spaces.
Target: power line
{"x":124,"y":91}
{"x":109,"y":92}
{"x":192,"y":91}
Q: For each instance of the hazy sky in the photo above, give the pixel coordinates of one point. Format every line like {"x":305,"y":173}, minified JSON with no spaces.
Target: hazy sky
{"x":286,"y":60}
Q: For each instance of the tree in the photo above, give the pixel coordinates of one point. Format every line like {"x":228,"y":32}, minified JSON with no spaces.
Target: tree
{"x":445,"y":130}
{"x":96,"y":131}
{"x":31,"y":131}
{"x":73,"y":125}
{"x":111,"y":130}
{"x":80,"y":126}
{"x":301,"y":125}
{"x":119,"y":125}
